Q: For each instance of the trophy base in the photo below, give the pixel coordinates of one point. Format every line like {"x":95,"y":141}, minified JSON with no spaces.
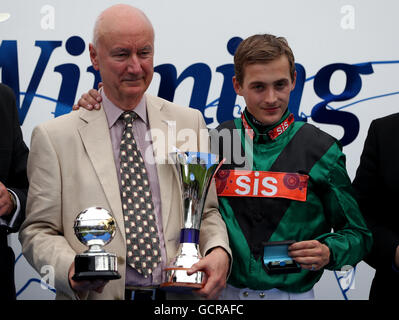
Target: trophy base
{"x":178,"y":281}
{"x":181,"y":287}
{"x":95,"y":275}
{"x":96,"y":265}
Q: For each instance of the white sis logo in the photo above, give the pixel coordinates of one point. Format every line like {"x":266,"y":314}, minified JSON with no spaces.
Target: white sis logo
{"x":250,"y":185}
{"x":242,"y":183}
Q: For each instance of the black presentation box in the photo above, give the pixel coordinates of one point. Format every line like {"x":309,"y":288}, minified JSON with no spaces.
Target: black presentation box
{"x":276,"y":259}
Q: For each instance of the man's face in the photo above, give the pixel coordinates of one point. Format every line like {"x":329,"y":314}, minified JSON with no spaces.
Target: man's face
{"x":266,"y":89}
{"x":124,"y":58}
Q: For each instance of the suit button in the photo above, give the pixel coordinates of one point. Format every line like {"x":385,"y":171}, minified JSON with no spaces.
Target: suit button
{"x":245,"y":294}
{"x":262,"y":294}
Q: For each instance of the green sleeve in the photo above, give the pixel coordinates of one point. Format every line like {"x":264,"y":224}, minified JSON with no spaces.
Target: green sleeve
{"x":350,"y":240}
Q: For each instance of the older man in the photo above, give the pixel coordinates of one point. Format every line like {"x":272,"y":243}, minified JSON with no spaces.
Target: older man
{"x":75,"y":162}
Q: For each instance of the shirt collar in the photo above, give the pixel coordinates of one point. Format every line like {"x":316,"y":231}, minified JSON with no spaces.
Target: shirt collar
{"x":113,"y":112}
{"x":257,"y":132}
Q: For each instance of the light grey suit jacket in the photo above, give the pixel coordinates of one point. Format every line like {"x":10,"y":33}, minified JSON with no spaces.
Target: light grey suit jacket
{"x":71,"y":167}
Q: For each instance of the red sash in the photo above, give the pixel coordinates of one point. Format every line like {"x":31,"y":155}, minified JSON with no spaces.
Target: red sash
{"x":243,"y":183}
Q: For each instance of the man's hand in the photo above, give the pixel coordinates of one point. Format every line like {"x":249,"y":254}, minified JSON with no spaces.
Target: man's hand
{"x":80,"y":287}
{"x":215,"y":265}
{"x":90,"y":100}
{"x":311,"y":255}
{"x":397,"y":257}
{"x":6,"y":203}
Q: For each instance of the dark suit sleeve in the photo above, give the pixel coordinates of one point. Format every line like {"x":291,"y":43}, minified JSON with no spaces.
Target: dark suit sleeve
{"x":13,"y":154}
{"x":376,"y":195}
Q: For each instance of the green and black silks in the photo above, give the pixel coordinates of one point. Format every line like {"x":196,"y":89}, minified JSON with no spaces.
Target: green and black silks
{"x":330,"y":213}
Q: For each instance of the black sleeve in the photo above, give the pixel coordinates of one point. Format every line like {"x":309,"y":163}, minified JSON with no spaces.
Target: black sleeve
{"x":375,"y":190}
{"x":13,"y":154}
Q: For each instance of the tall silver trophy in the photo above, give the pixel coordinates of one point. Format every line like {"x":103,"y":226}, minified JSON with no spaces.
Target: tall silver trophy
{"x":194,"y":170}
{"x":95,"y":227}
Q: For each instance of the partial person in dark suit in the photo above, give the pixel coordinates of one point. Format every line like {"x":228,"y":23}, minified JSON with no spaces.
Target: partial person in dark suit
{"x":13,"y":186}
{"x":377,"y":189}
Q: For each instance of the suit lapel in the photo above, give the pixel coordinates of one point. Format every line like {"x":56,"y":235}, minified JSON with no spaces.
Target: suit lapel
{"x":162,"y":128}
{"x":95,"y":136}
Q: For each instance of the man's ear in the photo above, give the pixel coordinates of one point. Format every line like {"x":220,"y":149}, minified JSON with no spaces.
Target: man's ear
{"x":236,"y":86}
{"x":293,"y":82}
{"x":94,"y":57}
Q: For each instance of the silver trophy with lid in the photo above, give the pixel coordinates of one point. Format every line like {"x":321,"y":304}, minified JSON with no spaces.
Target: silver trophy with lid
{"x":194,"y":171}
{"x":95,"y":227}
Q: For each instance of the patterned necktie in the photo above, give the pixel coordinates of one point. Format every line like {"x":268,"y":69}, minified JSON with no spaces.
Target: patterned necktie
{"x":142,"y":241}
